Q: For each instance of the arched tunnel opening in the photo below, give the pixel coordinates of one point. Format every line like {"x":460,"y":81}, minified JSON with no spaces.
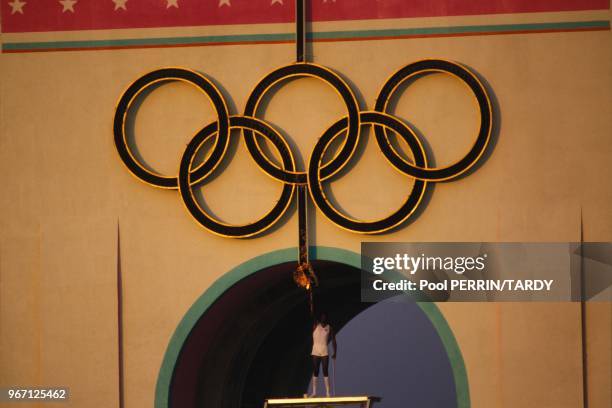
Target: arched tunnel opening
{"x":254,"y":341}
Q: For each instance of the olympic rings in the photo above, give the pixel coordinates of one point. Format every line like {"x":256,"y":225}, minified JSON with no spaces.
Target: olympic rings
{"x":148,"y":80}
{"x":206,"y":220}
{"x":316,"y":171}
{"x":367,"y":227}
{"x":413,"y":71}
{"x":332,"y":79}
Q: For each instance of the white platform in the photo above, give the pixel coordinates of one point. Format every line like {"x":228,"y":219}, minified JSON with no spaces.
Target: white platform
{"x":361,"y":401}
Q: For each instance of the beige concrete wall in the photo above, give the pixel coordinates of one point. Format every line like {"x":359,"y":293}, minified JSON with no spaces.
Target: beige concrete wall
{"x":66,"y":192}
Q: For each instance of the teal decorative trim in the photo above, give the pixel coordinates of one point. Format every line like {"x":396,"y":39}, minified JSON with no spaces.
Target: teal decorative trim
{"x":347,"y":35}
{"x":148,"y":42}
{"x":461,"y":30}
{"x":261,"y":262}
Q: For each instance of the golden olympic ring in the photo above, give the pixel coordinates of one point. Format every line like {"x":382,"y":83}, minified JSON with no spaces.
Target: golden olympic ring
{"x":316,"y":171}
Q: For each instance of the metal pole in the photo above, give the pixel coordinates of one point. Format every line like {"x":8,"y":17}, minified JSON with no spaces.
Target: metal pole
{"x":302,"y":224}
{"x":300,"y":30}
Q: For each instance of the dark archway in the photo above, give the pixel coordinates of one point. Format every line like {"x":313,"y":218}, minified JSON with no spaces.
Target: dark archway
{"x":249,"y":337}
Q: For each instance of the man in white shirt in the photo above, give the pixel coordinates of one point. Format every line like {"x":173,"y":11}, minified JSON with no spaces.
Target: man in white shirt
{"x":322,"y":333}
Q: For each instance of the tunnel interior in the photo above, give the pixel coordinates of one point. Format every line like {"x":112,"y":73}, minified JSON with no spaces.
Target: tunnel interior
{"x":253,"y":342}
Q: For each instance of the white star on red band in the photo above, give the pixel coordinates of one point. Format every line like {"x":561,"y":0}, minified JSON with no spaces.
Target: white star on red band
{"x":17,"y":6}
{"x":120,"y":4}
{"x":68,"y":5}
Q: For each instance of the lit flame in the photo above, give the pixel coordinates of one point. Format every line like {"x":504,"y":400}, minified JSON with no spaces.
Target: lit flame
{"x":301,"y":276}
